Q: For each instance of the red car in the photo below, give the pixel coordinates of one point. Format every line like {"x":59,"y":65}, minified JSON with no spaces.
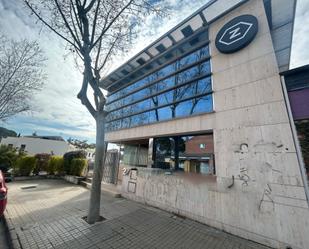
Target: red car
{"x":3,"y":193}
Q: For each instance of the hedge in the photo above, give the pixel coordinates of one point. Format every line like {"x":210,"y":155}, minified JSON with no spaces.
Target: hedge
{"x":78,"y":166}
{"x":55,"y":165}
{"x":25,"y":165}
{"x":69,"y":156}
{"x":42,"y":162}
{"x":8,"y":157}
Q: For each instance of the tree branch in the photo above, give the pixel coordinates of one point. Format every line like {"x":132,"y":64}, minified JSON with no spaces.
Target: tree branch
{"x":67,"y":24}
{"x":89,"y":6}
{"x":112,"y":22}
{"x":108,"y":54}
{"x":95,"y":21}
{"x":49,"y":26}
{"x":76,"y":17}
{"x":82,"y":95}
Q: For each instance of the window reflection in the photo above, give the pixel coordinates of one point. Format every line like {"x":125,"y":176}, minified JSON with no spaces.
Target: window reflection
{"x":135,"y":155}
{"x":202,"y":104}
{"x":205,"y":67}
{"x":180,"y":78}
{"x":126,"y":123}
{"x":177,"y":102}
{"x":164,"y":150}
{"x":189,"y":59}
{"x":154,"y":116}
{"x":139,"y":119}
{"x":169,"y":69}
{"x":187,"y":75}
{"x":204,"y":85}
{"x":204,"y":52}
{"x":166,"y":83}
{"x":165,"y":113}
{"x":183,"y":109}
{"x":194,"y":154}
{"x":165,"y":98}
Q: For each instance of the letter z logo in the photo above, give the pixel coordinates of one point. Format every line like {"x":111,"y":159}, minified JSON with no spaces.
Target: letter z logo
{"x":234,"y":33}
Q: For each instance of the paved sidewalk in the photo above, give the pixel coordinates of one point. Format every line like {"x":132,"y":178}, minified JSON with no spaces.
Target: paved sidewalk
{"x":3,"y":236}
{"x":49,"y":216}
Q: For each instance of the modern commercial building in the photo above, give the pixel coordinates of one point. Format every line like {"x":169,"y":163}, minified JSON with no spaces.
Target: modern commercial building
{"x":205,"y":125}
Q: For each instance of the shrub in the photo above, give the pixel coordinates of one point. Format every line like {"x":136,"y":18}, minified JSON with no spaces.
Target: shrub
{"x":55,"y":165}
{"x":78,"y":166}
{"x":25,"y":165}
{"x":41,"y":163}
{"x":8,"y":157}
{"x":69,"y":156}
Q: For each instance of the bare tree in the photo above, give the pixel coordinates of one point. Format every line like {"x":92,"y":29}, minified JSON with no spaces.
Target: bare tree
{"x":95,"y":31}
{"x":81,"y":144}
{"x":21,"y":74}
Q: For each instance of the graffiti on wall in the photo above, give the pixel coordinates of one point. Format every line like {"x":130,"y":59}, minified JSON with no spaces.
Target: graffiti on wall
{"x":267,"y":196}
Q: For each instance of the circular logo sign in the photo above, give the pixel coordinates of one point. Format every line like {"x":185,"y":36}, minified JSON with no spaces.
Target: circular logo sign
{"x":237,"y":34}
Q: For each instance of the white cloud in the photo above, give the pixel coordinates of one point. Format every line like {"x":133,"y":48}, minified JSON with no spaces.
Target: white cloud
{"x":300,"y":51}
{"x":57,"y":102}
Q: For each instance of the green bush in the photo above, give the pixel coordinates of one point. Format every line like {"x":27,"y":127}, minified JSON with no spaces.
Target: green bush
{"x":25,"y":165}
{"x":41,"y":163}
{"x":8,"y":157}
{"x":55,"y":166}
{"x":78,"y":166}
{"x":69,"y":156}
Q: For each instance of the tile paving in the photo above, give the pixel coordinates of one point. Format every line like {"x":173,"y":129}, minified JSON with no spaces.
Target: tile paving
{"x":49,"y":216}
{"x":3,"y":236}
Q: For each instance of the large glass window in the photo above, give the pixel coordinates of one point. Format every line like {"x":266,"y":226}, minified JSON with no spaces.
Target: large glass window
{"x":194,"y":154}
{"x":184,"y":89}
{"x":164,"y":152}
{"x":165,"y":71}
{"x":135,"y":155}
{"x":189,"y":59}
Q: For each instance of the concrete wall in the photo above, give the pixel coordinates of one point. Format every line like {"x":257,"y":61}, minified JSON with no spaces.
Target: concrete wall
{"x":252,"y":142}
{"x":37,"y":145}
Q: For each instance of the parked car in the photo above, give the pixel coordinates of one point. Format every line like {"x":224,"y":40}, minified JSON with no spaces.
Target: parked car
{"x":3,"y":193}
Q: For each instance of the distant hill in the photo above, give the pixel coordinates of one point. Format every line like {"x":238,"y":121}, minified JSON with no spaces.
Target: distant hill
{"x":7,"y":133}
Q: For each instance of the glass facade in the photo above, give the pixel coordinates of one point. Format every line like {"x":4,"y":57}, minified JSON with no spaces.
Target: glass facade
{"x":135,"y":155}
{"x":193,"y":154}
{"x":179,"y":89}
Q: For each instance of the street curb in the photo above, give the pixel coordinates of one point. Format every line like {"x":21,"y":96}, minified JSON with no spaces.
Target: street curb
{"x":11,"y":234}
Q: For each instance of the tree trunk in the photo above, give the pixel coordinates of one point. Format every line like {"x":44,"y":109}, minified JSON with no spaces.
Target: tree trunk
{"x":95,"y":195}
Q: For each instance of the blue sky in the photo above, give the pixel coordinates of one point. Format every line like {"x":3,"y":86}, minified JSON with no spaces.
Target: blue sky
{"x":56,"y":110}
